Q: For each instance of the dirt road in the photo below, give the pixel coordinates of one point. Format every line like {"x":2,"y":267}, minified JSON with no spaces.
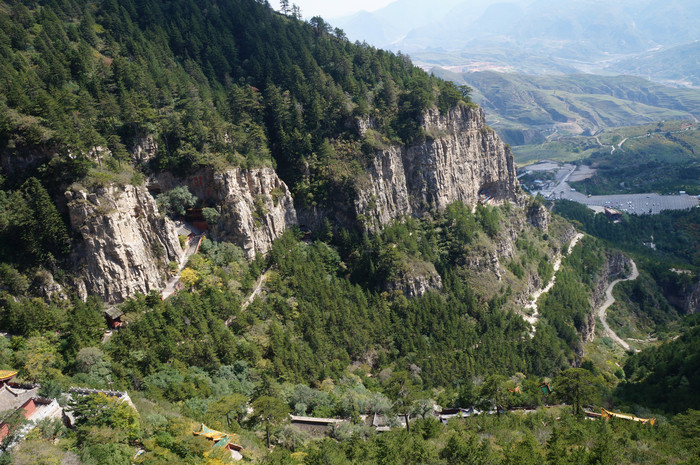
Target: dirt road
{"x":609,"y":300}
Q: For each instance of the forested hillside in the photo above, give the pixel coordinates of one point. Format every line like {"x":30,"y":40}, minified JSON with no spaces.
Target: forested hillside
{"x":213,"y":82}
{"x":101,"y":101}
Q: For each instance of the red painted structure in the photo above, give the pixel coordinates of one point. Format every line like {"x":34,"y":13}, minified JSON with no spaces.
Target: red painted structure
{"x":28,"y":409}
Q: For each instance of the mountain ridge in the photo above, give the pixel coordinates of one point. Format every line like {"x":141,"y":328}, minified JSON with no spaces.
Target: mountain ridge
{"x":586,"y":35}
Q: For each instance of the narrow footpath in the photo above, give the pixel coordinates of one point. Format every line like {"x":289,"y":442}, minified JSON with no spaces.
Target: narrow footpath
{"x":192,"y":248}
{"x":532,"y":305}
{"x":609,"y":300}
{"x":252,"y":296}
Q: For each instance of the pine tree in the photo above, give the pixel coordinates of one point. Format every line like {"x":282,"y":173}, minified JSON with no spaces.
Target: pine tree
{"x":41,"y":228}
{"x":284,"y":5}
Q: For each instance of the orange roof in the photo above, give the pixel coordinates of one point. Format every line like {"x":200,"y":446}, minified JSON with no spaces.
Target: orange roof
{"x":6,"y":374}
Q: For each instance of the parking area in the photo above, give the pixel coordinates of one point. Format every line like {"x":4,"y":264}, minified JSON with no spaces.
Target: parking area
{"x":640,"y":204}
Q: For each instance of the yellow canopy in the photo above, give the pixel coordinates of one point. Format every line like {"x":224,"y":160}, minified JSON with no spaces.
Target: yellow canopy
{"x":220,"y":439}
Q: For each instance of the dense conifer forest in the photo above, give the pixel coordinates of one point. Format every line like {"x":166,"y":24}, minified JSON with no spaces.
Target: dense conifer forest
{"x":228,"y":82}
{"x":234,"y":83}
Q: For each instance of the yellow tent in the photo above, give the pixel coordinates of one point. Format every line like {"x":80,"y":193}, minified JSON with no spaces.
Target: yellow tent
{"x":220,"y":439}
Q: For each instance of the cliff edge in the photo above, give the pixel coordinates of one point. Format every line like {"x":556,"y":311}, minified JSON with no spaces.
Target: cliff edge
{"x":461,"y":159}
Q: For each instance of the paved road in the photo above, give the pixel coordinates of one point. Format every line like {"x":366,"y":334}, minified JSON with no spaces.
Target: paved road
{"x":609,"y":301}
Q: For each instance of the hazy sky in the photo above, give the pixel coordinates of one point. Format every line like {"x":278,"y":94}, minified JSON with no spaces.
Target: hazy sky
{"x":333,"y":8}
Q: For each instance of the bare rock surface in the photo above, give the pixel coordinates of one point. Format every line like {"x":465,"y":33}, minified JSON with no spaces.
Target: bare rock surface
{"x":255,"y":204}
{"x":461,"y":159}
{"x":123,"y":244}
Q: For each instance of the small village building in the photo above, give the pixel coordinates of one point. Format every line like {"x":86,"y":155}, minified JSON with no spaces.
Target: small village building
{"x":24,"y":399}
{"x":74,"y":392}
{"x":6,"y":376}
{"x":114,"y":317}
{"x":123,"y":396}
{"x":448,"y":414}
{"x":383,"y":423}
{"x":316,"y":426}
{"x":612,"y":214}
{"x":221,"y":440}
{"x":195,"y":217}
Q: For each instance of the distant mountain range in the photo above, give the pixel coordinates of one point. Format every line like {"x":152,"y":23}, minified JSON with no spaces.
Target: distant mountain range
{"x":536,"y":36}
{"x":678,"y":65}
{"x":525,"y":109}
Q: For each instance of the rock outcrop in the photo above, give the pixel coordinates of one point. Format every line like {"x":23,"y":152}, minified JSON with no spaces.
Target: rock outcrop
{"x":692,"y":300}
{"x":538,"y":216}
{"x":123,"y":244}
{"x":255,"y":204}
{"x":145,"y":149}
{"x":461,"y":159}
{"x":415,"y":279}
{"x":47,"y":287}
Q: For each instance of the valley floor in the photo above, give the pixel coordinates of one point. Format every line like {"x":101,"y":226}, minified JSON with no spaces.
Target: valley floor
{"x":641,"y":204}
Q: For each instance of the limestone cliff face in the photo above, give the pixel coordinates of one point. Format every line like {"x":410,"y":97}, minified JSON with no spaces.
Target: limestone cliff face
{"x":145,"y":149}
{"x":123,"y":244}
{"x":255,"y":204}
{"x":461,"y":159}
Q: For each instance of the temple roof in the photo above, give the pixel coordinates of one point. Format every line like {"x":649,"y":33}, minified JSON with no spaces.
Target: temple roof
{"x":7,"y":374}
{"x":11,"y":399}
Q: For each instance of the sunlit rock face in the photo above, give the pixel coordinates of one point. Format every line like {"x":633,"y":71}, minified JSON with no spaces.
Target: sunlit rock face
{"x":461,"y":159}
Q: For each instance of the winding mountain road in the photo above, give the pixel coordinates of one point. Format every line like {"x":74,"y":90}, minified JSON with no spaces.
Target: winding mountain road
{"x":609,"y":300}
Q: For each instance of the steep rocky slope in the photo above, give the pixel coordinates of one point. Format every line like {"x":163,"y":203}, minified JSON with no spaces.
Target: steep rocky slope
{"x":461,"y":159}
{"x":123,"y":244}
{"x":255,"y":204}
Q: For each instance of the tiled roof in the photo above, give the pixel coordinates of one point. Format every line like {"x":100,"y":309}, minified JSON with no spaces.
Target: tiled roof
{"x":11,"y":399}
